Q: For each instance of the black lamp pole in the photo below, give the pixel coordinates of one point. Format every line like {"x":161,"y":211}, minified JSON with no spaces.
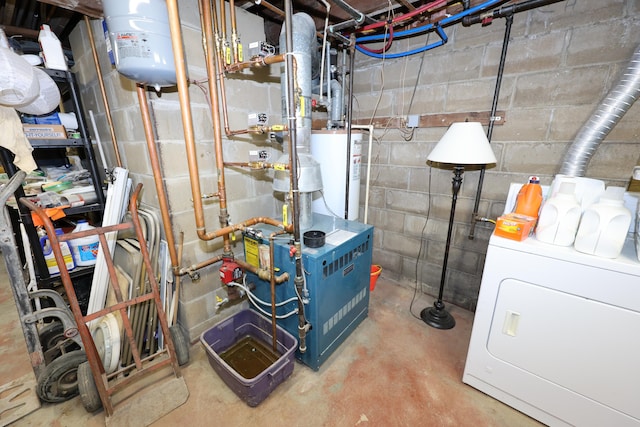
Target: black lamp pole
{"x":437,"y":316}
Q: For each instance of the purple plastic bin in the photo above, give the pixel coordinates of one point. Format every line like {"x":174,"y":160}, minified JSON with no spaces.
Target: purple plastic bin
{"x":226,"y":333}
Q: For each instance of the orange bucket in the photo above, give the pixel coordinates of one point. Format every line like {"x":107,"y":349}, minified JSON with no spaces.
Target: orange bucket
{"x":375,"y":273}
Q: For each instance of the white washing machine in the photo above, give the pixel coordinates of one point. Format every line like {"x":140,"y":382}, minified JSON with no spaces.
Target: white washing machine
{"x":556,"y":333}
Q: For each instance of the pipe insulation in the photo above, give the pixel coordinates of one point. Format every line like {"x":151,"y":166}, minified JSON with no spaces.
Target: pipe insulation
{"x":307,"y":63}
{"x":603,"y":120}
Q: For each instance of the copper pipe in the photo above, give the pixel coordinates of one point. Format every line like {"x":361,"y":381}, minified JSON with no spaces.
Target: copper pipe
{"x":234,"y":31}
{"x":257,"y":165}
{"x":210,"y":55}
{"x":202,"y":264}
{"x":103,"y":91}
{"x":241,"y":226}
{"x":223,"y":20}
{"x":157,"y":173}
{"x":258,"y":62}
{"x":262,"y":273}
{"x":173,"y":318}
{"x":224,"y":43}
{"x":271,"y":7}
{"x":185,"y":110}
{"x":223,"y":95}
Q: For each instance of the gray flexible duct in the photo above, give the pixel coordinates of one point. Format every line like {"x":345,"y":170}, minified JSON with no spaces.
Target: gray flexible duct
{"x":603,"y":120}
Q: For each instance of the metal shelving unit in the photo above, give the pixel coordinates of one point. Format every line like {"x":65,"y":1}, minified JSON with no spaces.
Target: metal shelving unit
{"x":68,"y":86}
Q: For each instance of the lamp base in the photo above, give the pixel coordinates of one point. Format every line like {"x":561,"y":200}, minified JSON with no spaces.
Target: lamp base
{"x":437,"y":316}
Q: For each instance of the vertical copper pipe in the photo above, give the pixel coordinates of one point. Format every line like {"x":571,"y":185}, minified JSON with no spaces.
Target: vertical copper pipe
{"x":157,"y":174}
{"x":105,"y":101}
{"x":210,"y":57}
{"x":185,"y":110}
{"x":223,"y":20}
{"x":224,"y":43}
{"x":189,"y":137}
{"x":234,"y":31}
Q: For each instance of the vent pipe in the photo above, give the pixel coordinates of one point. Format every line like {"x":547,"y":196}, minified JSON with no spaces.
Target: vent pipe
{"x":603,"y":120}
{"x":305,"y":52}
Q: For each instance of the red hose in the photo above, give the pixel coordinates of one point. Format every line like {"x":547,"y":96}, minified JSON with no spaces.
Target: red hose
{"x":417,"y":11}
{"x":386,"y":46}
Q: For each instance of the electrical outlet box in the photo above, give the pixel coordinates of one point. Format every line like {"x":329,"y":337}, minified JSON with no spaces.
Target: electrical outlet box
{"x":413,"y":121}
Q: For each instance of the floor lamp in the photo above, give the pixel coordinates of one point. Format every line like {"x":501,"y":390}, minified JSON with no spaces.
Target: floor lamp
{"x":464,"y":144}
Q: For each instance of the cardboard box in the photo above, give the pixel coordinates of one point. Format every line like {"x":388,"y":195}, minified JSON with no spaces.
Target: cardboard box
{"x":514,"y":226}
{"x":44,"y":131}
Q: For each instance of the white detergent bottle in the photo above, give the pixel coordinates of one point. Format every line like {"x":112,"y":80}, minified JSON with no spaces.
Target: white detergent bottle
{"x":560,"y":217}
{"x":84,"y":249}
{"x":604,"y":225}
{"x":51,"y":48}
{"x":49,"y":257}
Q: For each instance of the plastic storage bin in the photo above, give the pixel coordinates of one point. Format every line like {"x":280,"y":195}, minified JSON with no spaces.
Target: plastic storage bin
{"x":228,"y":332}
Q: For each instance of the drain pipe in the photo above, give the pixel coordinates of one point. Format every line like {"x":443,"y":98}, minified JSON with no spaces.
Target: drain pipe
{"x":494,"y":108}
{"x":298,"y":281}
{"x":607,"y":115}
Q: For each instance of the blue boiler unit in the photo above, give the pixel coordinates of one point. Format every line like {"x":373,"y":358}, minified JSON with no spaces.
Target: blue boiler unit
{"x":337,"y":277}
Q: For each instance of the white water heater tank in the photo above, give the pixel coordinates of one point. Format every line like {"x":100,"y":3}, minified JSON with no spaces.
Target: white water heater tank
{"x":141,"y":40}
{"x":329,"y":148}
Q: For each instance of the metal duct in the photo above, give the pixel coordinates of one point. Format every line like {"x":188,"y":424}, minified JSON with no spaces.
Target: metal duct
{"x":337,"y":103}
{"x":603,"y":120}
{"x":305,"y":52}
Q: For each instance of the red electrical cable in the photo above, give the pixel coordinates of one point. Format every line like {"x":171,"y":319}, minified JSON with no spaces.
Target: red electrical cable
{"x":386,"y":46}
{"x":400,"y":18}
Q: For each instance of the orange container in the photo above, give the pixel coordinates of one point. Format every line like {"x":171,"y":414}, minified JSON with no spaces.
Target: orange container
{"x":529,"y":198}
{"x":514,"y":226}
{"x":375,"y":273}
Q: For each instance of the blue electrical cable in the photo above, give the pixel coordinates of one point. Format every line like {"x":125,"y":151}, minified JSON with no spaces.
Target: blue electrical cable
{"x":413,"y":31}
{"x":439,"y":30}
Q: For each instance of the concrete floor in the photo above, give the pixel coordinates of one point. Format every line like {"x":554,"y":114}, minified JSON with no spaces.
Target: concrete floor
{"x":392,"y":371}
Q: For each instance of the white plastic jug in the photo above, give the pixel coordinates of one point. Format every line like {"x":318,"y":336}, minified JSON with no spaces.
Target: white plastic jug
{"x":85,"y":249}
{"x":560,"y":217}
{"x":52,"y":52}
{"x":49,"y":257}
{"x":604,"y":226}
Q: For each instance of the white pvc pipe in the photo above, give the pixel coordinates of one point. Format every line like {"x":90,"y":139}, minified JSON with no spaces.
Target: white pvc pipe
{"x":366,"y":191}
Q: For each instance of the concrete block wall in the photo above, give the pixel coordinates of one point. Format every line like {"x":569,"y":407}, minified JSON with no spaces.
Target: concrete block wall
{"x":562,"y":60}
{"x":249,"y":193}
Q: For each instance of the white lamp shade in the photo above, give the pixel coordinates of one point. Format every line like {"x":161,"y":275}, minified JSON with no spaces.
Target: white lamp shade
{"x":464,"y":143}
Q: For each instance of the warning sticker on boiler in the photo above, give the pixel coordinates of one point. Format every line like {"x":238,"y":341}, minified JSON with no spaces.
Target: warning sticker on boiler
{"x":251,"y":251}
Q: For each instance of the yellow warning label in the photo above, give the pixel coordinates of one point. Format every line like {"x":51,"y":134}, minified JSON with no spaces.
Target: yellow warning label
{"x":252,"y":252}
{"x":279,"y":166}
{"x":240,"y":56}
{"x":227,"y":55}
{"x":285,"y":215}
